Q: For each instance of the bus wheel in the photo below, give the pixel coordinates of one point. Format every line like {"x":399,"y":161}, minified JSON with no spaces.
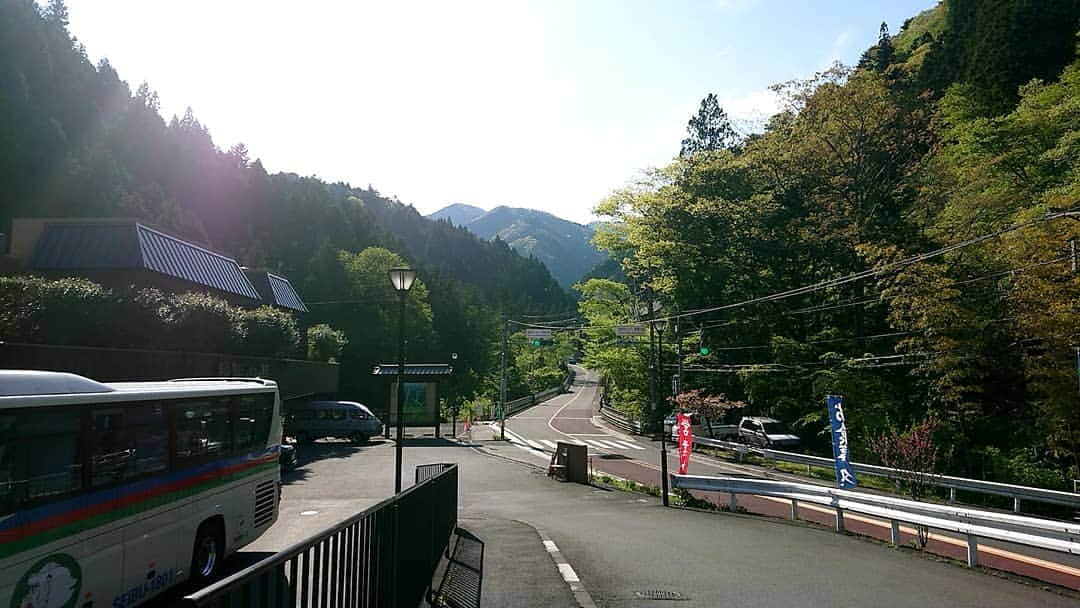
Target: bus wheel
{"x":208,"y":554}
{"x":358,"y":438}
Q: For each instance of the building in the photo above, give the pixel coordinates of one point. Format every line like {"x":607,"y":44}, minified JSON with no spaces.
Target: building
{"x":123,"y":252}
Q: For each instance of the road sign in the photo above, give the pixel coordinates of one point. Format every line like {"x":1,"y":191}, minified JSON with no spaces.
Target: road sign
{"x":542,"y":334}
{"x":629,"y":330}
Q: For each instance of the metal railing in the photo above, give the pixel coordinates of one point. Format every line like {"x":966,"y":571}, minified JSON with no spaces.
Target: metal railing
{"x":620,"y":420}
{"x":972,"y":523}
{"x":1015,"y":492}
{"x":383,"y":556}
{"x":518,"y":405}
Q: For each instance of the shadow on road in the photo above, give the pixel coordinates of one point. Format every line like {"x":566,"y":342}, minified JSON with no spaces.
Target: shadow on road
{"x":323,"y":449}
{"x":430,"y":442}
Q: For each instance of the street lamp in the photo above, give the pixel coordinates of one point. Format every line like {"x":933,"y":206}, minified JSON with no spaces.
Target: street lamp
{"x":402,"y":279}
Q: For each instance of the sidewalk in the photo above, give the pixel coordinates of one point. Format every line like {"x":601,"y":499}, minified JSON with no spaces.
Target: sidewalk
{"x":518,"y":571}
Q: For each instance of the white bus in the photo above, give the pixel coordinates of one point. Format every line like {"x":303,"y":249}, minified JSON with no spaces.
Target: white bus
{"x":112,"y":493}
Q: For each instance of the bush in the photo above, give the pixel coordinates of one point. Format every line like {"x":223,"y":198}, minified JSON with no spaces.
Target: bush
{"x":65,"y":311}
{"x":200,"y":322}
{"x":76,"y":311}
{"x":267,"y":332}
{"x":325,"y":343}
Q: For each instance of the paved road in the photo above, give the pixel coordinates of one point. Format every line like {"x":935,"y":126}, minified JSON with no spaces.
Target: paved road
{"x":573,"y":417}
{"x":621,"y":544}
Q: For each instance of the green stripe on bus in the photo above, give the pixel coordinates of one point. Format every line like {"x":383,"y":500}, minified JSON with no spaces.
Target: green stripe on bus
{"x":88,"y":523}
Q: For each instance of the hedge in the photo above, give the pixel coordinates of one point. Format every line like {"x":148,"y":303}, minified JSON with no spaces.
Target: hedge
{"x":75,"y":311}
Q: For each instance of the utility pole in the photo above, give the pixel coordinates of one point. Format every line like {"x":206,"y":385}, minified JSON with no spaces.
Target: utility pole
{"x":502,"y":381}
{"x":663,"y":435}
{"x":678,"y":341}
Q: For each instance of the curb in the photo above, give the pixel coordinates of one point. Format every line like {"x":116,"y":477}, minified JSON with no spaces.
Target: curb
{"x":577,"y":589}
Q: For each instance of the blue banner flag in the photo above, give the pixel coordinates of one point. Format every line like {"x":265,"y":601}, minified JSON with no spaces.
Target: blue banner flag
{"x":845,"y":475}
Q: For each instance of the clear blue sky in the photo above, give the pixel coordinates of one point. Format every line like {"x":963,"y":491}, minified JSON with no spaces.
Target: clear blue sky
{"x":548,"y":104}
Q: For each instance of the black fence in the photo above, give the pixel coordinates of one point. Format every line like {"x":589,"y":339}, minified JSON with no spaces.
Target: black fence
{"x":383,"y":556}
{"x":425,"y":472}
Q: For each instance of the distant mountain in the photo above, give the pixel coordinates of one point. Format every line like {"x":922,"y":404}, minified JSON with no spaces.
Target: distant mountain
{"x":459,"y":214}
{"x":563,"y":246}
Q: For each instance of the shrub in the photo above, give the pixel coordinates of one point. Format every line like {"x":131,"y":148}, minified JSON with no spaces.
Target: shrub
{"x":268,"y":332}
{"x":325,"y":343}
{"x":65,"y":311}
{"x":138,"y":318}
{"x":200,"y":322}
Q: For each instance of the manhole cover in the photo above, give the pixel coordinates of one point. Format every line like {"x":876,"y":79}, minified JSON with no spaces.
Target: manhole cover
{"x":613,"y":457}
{"x":659,"y":594}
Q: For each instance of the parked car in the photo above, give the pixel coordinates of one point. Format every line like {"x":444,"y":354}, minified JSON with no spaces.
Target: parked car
{"x":766,"y":432}
{"x":312,"y":420}
{"x":287,"y":457}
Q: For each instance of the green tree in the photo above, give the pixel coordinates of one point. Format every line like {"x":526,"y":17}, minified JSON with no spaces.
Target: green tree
{"x":709,"y":130}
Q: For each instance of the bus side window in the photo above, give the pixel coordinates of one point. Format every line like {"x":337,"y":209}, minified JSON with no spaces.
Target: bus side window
{"x":202,"y":428}
{"x":112,"y":447}
{"x":255,"y":414}
{"x":264,"y":417}
{"x":339,"y":414}
{"x":39,"y":456}
{"x":150,"y":427}
{"x":245,"y":422}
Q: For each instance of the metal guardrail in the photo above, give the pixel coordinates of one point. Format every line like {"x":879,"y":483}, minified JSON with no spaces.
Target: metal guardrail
{"x":620,"y":420}
{"x":972,"y":523}
{"x":1017,"y":493}
{"x":383,"y":556}
{"x":518,"y":405}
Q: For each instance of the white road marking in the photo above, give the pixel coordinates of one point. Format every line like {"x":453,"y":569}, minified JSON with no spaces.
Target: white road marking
{"x":540,"y":455}
{"x":568,"y":573}
{"x":535,"y":444}
{"x":550,"y":546}
{"x":626,"y":445}
{"x":550,"y":444}
{"x":607,"y":444}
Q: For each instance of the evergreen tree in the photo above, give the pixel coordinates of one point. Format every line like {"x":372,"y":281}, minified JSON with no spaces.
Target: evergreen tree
{"x":709,"y":129}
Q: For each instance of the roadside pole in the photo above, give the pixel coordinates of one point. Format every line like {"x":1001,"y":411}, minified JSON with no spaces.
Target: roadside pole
{"x":502,"y":381}
{"x":660,"y":399}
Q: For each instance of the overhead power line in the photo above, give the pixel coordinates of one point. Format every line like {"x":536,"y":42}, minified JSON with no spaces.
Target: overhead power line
{"x":873,"y":272}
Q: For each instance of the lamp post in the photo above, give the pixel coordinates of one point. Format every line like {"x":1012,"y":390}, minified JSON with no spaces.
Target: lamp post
{"x":402,"y":279}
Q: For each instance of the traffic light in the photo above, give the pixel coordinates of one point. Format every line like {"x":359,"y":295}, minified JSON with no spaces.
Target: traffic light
{"x":536,"y":342}
{"x":703,"y":348}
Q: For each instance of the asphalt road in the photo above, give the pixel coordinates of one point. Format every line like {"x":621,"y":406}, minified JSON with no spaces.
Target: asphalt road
{"x":574,"y":418}
{"x":621,"y":544}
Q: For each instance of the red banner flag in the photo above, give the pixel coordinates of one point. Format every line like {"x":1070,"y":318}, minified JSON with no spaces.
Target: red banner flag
{"x":686,"y":441}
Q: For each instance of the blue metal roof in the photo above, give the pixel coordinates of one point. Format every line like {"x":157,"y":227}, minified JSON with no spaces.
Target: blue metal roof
{"x":128,"y":244}
{"x":284,"y":294}
{"x":65,"y":245}
{"x":169,"y":255}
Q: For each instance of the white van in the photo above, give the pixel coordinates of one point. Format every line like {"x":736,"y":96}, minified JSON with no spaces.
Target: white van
{"x":310,"y":420}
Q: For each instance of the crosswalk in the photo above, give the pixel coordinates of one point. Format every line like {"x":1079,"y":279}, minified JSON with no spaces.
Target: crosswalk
{"x":545,"y":445}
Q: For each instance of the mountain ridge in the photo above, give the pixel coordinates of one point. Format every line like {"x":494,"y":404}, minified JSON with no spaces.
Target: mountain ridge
{"x":565,"y":247}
